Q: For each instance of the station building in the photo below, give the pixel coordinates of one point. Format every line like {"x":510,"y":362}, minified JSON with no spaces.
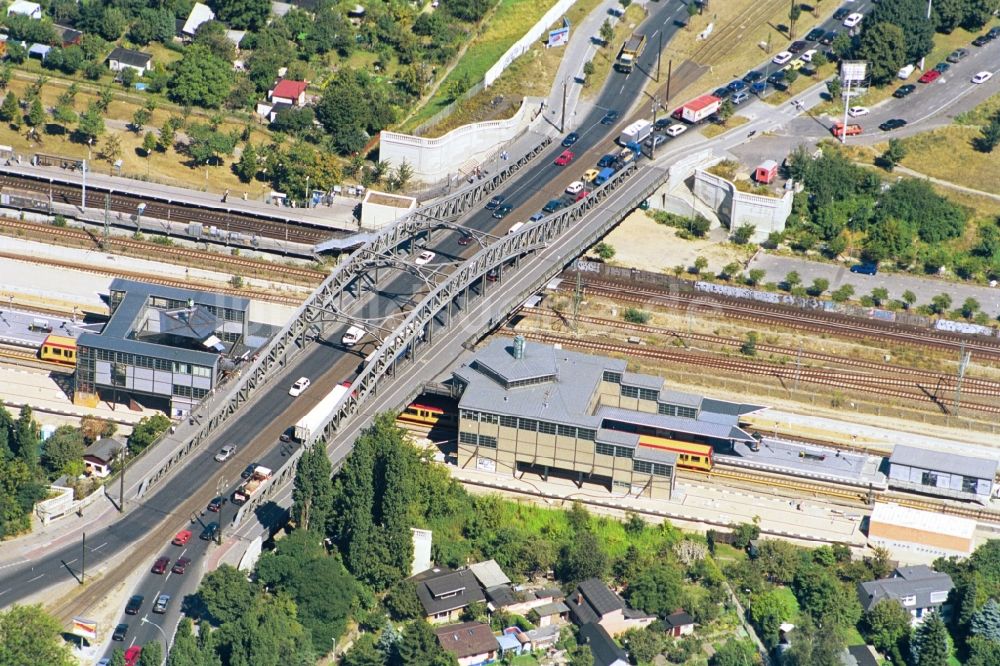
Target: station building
{"x":526,"y":407}
{"x":163,"y":346}
{"x":941,"y":473}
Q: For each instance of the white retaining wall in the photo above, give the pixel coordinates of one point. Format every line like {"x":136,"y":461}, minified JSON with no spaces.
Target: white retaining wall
{"x":533,"y":35}
{"x":434,"y":159}
{"x":767,"y":214}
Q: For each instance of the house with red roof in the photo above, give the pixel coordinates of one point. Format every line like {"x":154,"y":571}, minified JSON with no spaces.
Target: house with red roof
{"x":288,"y":92}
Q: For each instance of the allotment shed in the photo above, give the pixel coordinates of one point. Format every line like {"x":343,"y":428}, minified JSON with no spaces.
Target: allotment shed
{"x":942,"y":473}
{"x":766,"y":172}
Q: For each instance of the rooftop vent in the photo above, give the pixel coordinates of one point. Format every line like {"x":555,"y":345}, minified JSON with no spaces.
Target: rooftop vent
{"x":518,"y":351}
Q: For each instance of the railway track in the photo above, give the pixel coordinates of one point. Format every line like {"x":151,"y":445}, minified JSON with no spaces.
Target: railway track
{"x":729,"y":33}
{"x":859,"y":383}
{"x":248,"y":266}
{"x":941,"y":381}
{"x":840,"y":325}
{"x":125,"y":204}
{"x":180,"y":284}
{"x":28,"y":358}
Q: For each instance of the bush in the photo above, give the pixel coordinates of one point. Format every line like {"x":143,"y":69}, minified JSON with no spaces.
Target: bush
{"x":636,"y":316}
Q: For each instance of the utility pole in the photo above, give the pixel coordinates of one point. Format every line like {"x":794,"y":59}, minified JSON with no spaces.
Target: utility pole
{"x":83,"y":559}
{"x":577,"y":297}
{"x":107,"y":206}
{"x":562,"y":122}
{"x":963,"y":363}
{"x":670,"y":71}
{"x":929,"y":2}
{"x":121,"y":480}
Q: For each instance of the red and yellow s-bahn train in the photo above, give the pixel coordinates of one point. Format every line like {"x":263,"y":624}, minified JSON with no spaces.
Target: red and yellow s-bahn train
{"x":59,"y":349}
{"x":428,"y":415}
{"x":689,"y":454}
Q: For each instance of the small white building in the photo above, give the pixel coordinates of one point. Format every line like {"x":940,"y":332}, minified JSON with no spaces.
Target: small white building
{"x":379,"y":209}
{"x":199,"y":14}
{"x":97,"y":459}
{"x":122,"y":58}
{"x":32,"y":10}
{"x":288,"y":92}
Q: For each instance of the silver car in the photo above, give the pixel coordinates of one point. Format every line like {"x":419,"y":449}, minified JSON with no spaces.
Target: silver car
{"x":225,"y":453}
{"x":161,"y":603}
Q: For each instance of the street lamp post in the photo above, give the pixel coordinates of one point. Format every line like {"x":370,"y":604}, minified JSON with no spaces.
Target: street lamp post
{"x":83,"y":198}
{"x":308,"y":198}
{"x":166,"y":643}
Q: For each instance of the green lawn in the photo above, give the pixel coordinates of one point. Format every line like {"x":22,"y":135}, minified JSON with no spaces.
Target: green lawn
{"x":524,"y":660}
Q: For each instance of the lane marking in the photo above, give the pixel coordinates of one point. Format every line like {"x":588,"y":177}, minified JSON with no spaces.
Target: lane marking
{"x":36,"y":578}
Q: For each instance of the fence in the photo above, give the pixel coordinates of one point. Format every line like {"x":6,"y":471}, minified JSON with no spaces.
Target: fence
{"x":521,"y":46}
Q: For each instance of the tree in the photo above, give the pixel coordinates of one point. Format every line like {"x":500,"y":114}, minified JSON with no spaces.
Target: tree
{"x":986,"y":621}
{"x":970,"y":307}
{"x":352,"y":107}
{"x":819,"y":285}
{"x":10,"y":110}
{"x":184,"y":651}
{"x":834,"y":87}
{"x":583,"y":557}
{"x":29,"y":635}
{"x":777,"y":560}
{"x":146,"y":431}
{"x":113,"y":24}
{"x":364,"y":652}
{"x":990,"y":138}
{"x":792,"y":280}
{"x":588,"y":71}
{"x":402,"y":175}
{"x":735,"y":652}
{"x":791,"y":76}
{"x":700,"y":264}
{"x":749,"y":346}
{"x":843,"y":293}
{"x":886,"y":624}
{"x":420,"y":648}
{"x":402,"y":602}
{"x":607,"y":32}
{"x":940,"y":303}
{"x":743,"y":234}
{"x":909,"y":298}
{"x":63,"y":452}
{"x":139,"y":120}
{"x":815,"y":646}
{"x":883,"y":45}
{"x":755,"y":276}
{"x":27,"y":438}
{"x":657,"y":589}
{"x":604,"y":250}
{"x":769,"y":610}
{"x":243,"y":14}
{"x":644,"y":644}
{"x":112,"y":148}
{"x":165,"y":141}
{"x":726,"y":111}
{"x":248,"y":165}
{"x":200,"y":78}
{"x":793,"y":15}
{"x":893,"y":155}
{"x":911,"y":18}
{"x":731,"y":270}
{"x":118,"y":657}
{"x":152,"y":654}
{"x":692,"y":11}
{"x":312,"y":495}
{"x":149,"y":143}
{"x":744,"y":533}
{"x":830,"y":603}
{"x":930,"y":643}
{"x":880,"y":295}
{"x":91,"y":123}
{"x":36,"y":114}
{"x":207,"y":145}
{"x":226,"y":594}
{"x":268,"y":634}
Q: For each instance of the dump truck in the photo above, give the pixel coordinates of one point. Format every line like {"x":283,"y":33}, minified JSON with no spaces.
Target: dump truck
{"x":852,"y":129}
{"x":699,"y":108}
{"x":251,"y":486}
{"x":630,"y":52}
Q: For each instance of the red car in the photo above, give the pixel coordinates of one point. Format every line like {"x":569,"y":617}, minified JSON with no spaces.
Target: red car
{"x":581,"y":194}
{"x":565,"y":158}
{"x":161,"y":565}
{"x":181,"y":564}
{"x":181,"y":538}
{"x":132,"y":655}
{"x":929,"y":76}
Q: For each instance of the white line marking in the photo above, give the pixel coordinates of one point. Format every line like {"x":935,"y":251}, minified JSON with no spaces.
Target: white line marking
{"x":36,"y":578}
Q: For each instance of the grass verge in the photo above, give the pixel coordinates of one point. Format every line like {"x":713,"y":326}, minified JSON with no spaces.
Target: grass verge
{"x":948,"y":153}
{"x":710,"y":131}
{"x":604,"y":59}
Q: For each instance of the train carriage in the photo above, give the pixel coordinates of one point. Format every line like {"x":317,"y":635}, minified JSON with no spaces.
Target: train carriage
{"x":59,"y":349}
{"x":689,"y":454}
{"x":429,"y":415}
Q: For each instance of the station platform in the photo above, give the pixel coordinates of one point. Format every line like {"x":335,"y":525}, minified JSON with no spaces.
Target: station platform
{"x":808,"y":461}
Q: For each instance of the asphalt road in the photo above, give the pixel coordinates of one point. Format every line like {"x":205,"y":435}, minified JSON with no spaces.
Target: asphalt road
{"x":259,"y":425}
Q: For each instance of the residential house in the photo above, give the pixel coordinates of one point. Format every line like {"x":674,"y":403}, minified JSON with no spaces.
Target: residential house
{"x":593,"y":601}
{"x":679,"y":623}
{"x":122,"y":58}
{"x":200,"y":13}
{"x":519,"y":601}
{"x":97,"y":459}
{"x":552,"y":613}
{"x":543,"y":638}
{"x":292,"y":93}
{"x":606,"y":652}
{"x":68,"y":36}
{"x":32,"y":10}
{"x":472,"y":643}
{"x":920,"y":590}
{"x":444,"y":593}
{"x":270,"y":111}
{"x":513,"y":641}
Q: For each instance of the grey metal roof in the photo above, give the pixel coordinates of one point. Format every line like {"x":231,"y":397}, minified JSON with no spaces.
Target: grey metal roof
{"x":551,"y":608}
{"x":444,"y":581}
{"x":174,"y":293}
{"x":649,"y":454}
{"x":130,"y":57}
{"x":538,"y":361}
{"x":673,"y":423}
{"x":606,"y":652}
{"x":939,"y":461}
{"x":918,"y":581}
{"x":128,"y":346}
{"x":629,"y":439}
{"x":731,"y":408}
{"x":672,"y":397}
{"x":489,"y":574}
{"x":642,"y":381}
{"x":678,"y":618}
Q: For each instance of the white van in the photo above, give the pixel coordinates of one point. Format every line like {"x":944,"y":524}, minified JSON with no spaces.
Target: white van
{"x":517,"y":227}
{"x":904,"y":72}
{"x":352,"y":336}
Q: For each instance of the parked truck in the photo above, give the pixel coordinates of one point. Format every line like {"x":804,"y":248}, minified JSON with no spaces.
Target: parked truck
{"x":637,"y":132}
{"x":630,"y":52}
{"x":251,"y":486}
{"x":852,"y":129}
{"x":699,"y":108}
{"x":308,"y":426}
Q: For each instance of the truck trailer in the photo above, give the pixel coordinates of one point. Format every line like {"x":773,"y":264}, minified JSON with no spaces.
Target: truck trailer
{"x":700,"y":108}
{"x":308,"y":425}
{"x":251,"y":486}
{"x":630,"y":52}
{"x":637,"y":132}
{"x":852,"y":129}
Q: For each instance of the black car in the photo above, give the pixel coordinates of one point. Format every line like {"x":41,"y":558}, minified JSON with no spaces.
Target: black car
{"x":502,"y":211}
{"x":981,"y":40}
{"x":815,"y":35}
{"x":133,"y":605}
{"x":722,"y":93}
{"x":892,"y":124}
{"x":942,"y":67}
{"x":993,"y":33}
{"x":865,"y":269}
{"x":776,"y":77}
{"x":495,"y":201}
{"x":216,"y":504}
{"x":828,"y":38}
{"x":606,"y":161}
{"x":120,"y":632}
{"x":609,"y":117}
{"x":248,"y":472}
{"x":753,"y":77}
{"x":797,"y":46}
{"x":660,"y":124}
{"x":841,"y":14}
{"x":570,"y":139}
{"x":208,"y":533}
{"x":553,"y":205}
{"x":903,"y":91}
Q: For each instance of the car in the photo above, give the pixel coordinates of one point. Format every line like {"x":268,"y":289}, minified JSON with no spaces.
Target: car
{"x":208,"y":533}
{"x":161,"y":564}
{"x":575,"y":187}
{"x":570,"y":139}
{"x":903,"y":91}
{"x":216,"y":504}
{"x":993,"y":33}
{"x":657,"y":139}
{"x":300,"y":385}
{"x":942,"y":67}
{"x":536,"y":217}
{"x":892,"y":124}
{"x":161,"y":603}
{"x":286,"y":436}
{"x":957,"y":56}
{"x":737,"y":85}
{"x":661,"y":124}
{"x":134,"y":604}
{"x":797,"y":46}
{"x":465,"y":239}
{"x":180,"y":566}
{"x":758,"y":87}
{"x":427,"y":256}
{"x":982,"y":77}
{"x":676,"y":130}
{"x":248,"y":471}
{"x":227,"y":451}
{"x":981,"y":40}
{"x":492,"y":275}
{"x":565,"y":157}
{"x":865,"y":269}
{"x":753,"y":77}
{"x":796,"y":64}
{"x":181,"y":538}
{"x":609,"y":117}
{"x":553,"y":205}
{"x":815,"y":35}
{"x":808,"y":55}
{"x":776,"y":77}
{"x":841,"y":14}
{"x":853,"y":20}
{"x":120,"y":632}
{"x":782,"y":58}
{"x":722,"y":93}
{"x":132,"y":655}
{"x":606,"y":161}
{"x":502,"y":211}
{"x":828,"y":38}
{"x":856,"y":111}
{"x":929,"y":76}
{"x":495,"y":201}
{"x":589,"y":175}
{"x":352,"y":336}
